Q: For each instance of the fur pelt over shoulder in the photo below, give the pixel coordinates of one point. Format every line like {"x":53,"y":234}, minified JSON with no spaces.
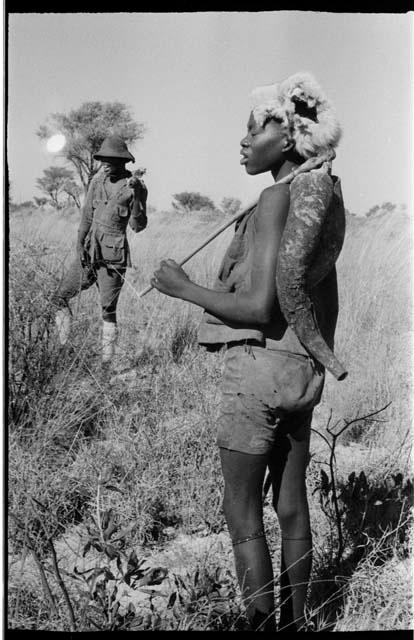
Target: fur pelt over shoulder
{"x":301,"y":105}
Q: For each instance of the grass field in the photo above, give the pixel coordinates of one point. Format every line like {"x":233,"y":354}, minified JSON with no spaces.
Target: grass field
{"x":115,"y":518}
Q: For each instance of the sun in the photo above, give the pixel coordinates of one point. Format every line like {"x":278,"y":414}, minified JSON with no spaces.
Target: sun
{"x":56,"y":142}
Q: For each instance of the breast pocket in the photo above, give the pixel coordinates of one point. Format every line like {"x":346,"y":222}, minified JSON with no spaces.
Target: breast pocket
{"x":124,"y":199}
{"x":113,"y":249}
{"x":121,"y":210}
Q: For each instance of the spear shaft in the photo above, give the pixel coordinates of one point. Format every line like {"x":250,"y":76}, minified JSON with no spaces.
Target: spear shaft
{"x":311,"y":163}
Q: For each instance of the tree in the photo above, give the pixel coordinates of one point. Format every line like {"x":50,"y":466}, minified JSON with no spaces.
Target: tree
{"x":373,"y":210}
{"x":230,"y":206}
{"x":40,"y":202}
{"x":85,"y":129}
{"x":187,"y":201}
{"x":73,"y":190}
{"x":53,"y":183}
{"x":386,"y":207}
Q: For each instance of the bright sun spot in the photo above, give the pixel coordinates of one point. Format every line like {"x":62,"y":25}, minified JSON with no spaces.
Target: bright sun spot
{"x":56,"y":142}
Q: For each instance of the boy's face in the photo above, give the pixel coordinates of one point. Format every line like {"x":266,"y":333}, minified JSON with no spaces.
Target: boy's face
{"x":262,"y":147}
{"x":112,"y":166}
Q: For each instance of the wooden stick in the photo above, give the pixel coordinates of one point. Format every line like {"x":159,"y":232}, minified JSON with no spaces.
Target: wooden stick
{"x":311,"y":163}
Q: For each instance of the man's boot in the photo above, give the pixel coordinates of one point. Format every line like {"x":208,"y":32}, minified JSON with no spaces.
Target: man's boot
{"x":108,"y":340}
{"x":63,"y":322}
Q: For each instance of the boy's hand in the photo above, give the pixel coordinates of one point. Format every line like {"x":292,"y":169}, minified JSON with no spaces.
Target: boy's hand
{"x":170,"y":279}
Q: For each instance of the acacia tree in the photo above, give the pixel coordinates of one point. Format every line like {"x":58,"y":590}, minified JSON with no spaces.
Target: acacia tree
{"x":73,"y":190}
{"x":190,"y":201}
{"x":53,"y":183}
{"x":85,"y":129}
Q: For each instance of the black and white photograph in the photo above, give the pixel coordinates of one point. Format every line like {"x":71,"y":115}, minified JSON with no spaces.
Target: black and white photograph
{"x":208,"y":318}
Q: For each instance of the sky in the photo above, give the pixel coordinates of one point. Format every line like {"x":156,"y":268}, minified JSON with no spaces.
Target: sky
{"x":188,"y":76}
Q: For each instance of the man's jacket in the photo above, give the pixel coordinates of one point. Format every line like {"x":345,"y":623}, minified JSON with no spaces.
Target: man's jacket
{"x":108,"y":208}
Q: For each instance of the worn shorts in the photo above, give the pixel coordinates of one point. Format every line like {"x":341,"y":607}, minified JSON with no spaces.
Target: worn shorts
{"x":264,"y":390}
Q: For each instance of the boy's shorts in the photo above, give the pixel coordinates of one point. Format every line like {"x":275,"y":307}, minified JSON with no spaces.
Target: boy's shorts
{"x":263,"y":388}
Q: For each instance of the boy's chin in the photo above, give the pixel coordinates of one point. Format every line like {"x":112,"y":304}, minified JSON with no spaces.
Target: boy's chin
{"x":251,"y":171}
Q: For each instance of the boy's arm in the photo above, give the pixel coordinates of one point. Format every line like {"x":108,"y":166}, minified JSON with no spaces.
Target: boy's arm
{"x":257,"y":304}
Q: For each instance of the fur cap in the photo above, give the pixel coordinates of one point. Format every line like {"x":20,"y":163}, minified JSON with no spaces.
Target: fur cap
{"x":301,"y":105}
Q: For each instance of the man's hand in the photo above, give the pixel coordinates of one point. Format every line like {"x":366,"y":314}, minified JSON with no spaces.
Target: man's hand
{"x":170,"y":279}
{"x":140,"y":191}
{"x":137,"y":184}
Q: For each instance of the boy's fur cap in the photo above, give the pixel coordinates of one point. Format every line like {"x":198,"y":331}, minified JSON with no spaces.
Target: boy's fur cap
{"x":300,"y":104}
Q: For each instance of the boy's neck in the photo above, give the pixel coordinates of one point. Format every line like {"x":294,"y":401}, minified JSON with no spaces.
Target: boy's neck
{"x":287,"y":167}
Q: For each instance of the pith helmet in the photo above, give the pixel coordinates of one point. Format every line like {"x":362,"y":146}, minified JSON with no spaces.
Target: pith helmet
{"x":114,"y":147}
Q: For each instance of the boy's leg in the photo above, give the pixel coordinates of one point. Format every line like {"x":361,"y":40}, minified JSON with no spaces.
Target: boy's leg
{"x":110,"y":283}
{"x":243,"y":476}
{"x":288,"y":469}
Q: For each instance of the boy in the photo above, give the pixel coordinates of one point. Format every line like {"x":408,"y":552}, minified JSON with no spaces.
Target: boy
{"x":271,"y":383}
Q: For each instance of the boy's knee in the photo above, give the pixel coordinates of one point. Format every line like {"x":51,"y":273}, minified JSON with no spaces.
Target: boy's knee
{"x":290,"y":512}
{"x":233,"y":515}
{"x":294,"y":522}
{"x":242,"y":520}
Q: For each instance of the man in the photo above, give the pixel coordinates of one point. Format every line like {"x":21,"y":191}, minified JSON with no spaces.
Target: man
{"x":113,"y":200}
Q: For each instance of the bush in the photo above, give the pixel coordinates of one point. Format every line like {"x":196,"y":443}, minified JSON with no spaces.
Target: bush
{"x":15,"y":207}
{"x":385,"y":207}
{"x":40,"y":202}
{"x":187,"y":201}
{"x":230,"y":206}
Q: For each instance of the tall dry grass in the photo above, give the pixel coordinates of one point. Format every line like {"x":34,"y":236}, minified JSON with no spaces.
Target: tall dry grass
{"x":375,"y":331}
{"x":140,"y":447}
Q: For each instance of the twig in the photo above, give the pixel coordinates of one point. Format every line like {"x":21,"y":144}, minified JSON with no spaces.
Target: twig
{"x":348,"y":423}
{"x":62,"y":586}
{"x":56,"y":568}
{"x":332,"y":445}
{"x":335,"y":500}
{"x":30,"y":546}
{"x":43,"y":578}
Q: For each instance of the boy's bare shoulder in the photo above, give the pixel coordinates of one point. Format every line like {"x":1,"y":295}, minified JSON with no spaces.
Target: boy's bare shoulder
{"x":274,"y":200}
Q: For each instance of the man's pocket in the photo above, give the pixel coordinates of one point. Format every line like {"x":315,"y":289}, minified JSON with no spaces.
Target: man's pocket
{"x":113,"y":249}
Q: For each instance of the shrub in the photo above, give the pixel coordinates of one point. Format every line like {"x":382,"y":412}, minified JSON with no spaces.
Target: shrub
{"x":230,"y":206}
{"x":385,"y":207}
{"x":187,"y":201}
